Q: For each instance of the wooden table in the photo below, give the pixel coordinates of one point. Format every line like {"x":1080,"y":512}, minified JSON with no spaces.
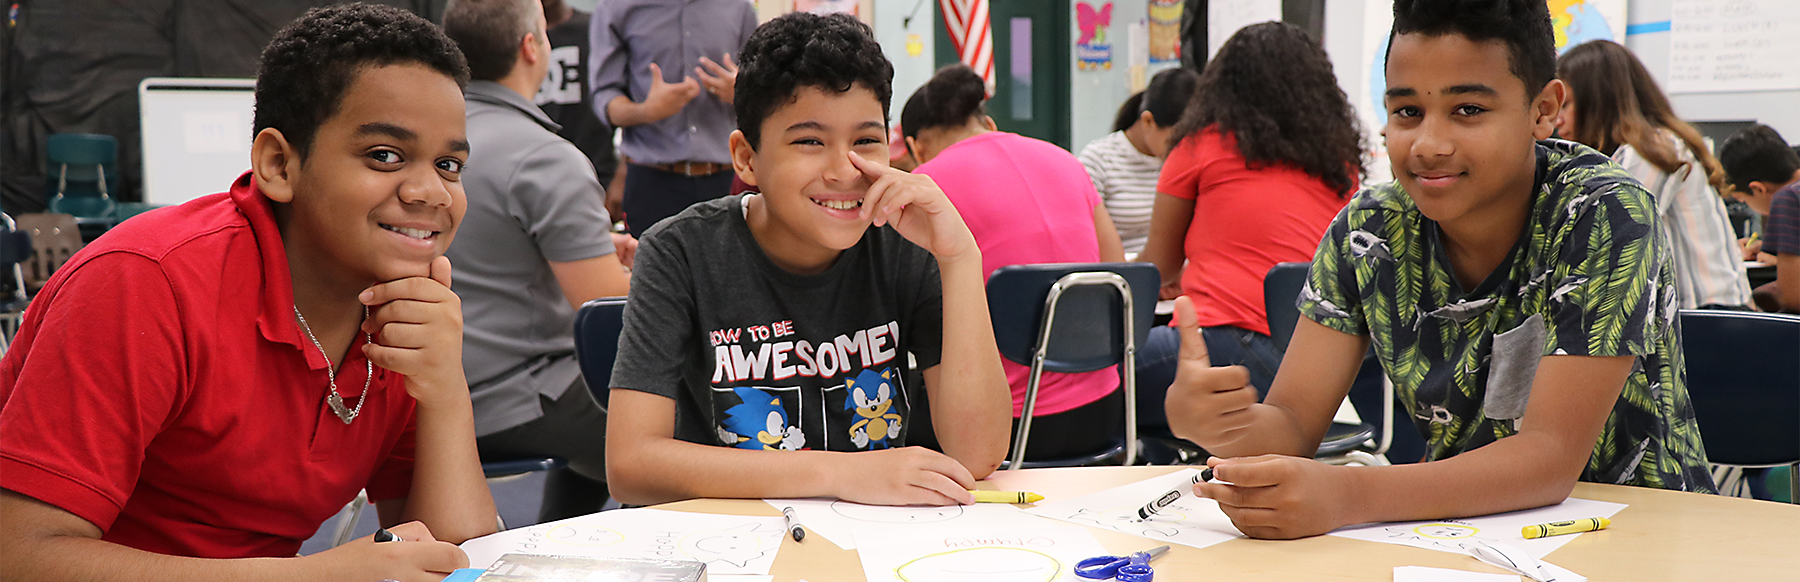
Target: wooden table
{"x":1663,"y":535}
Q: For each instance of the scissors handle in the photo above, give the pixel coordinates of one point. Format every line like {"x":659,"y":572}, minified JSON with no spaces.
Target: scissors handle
{"x":1136,"y":572}
{"x":1099,"y":568}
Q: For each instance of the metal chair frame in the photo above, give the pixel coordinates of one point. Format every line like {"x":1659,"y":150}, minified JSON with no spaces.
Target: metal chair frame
{"x":1041,"y":352}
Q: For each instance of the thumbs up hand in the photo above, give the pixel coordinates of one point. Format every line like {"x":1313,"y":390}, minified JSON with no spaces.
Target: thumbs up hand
{"x":1209,"y":406}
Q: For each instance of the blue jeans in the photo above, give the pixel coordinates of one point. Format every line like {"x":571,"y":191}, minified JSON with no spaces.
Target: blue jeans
{"x":1225,"y":345}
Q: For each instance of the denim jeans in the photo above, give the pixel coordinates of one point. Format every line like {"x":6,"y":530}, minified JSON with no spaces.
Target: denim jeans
{"x":1225,"y":345}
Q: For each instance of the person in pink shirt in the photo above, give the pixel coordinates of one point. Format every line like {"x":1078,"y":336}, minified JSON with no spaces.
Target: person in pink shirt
{"x":1026,"y":201}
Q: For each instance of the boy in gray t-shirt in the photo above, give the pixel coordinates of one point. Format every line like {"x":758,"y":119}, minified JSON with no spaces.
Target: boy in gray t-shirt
{"x":768,"y":333}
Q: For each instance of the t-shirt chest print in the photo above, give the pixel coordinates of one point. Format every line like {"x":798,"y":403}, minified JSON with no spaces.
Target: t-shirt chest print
{"x":780,"y":386}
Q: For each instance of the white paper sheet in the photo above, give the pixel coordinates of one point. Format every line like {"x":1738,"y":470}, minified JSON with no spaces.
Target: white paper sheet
{"x":1424,"y":574}
{"x":1450,"y":535}
{"x":837,"y":520}
{"x":1033,"y":555}
{"x":729,"y":544}
{"x":1189,"y":521}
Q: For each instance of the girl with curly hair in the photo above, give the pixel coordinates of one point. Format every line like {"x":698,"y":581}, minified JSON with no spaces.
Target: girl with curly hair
{"x":1268,"y":151}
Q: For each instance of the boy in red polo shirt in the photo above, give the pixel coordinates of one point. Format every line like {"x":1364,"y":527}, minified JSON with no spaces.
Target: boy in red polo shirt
{"x":216,"y":379}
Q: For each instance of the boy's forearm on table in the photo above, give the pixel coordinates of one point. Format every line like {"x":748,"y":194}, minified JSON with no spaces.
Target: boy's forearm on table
{"x":449,"y":492}
{"x":665,"y":469}
{"x":1509,"y":474}
{"x":973,"y":396}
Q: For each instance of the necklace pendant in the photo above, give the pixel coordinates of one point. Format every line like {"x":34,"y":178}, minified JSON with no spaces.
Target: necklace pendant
{"x":337,"y":406}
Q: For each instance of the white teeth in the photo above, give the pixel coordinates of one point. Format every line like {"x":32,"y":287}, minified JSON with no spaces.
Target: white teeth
{"x":839,"y":204}
{"x":420,"y":234}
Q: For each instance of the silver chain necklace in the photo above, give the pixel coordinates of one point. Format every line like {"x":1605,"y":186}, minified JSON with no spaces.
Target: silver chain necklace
{"x":337,"y":402}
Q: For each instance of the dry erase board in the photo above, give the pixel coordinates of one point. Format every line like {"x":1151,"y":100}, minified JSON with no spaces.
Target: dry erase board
{"x":196,"y":135}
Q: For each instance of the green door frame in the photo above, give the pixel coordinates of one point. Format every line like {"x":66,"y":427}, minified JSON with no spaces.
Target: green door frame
{"x":1048,"y":115}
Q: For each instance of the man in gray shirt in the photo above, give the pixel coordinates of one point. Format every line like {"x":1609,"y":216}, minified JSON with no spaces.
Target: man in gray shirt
{"x":676,"y":133}
{"x":532,"y":248}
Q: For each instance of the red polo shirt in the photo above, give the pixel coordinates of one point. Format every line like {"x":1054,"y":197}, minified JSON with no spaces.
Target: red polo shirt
{"x":161,"y":388}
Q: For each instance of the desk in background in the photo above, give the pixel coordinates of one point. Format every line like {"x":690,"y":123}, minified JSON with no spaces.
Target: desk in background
{"x":1663,"y":535}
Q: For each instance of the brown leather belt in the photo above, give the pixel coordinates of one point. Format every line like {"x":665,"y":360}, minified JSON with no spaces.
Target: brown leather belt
{"x":691,"y":169}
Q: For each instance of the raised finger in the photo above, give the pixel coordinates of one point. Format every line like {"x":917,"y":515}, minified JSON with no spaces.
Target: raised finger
{"x":656,"y":75}
{"x":870,"y":169}
{"x":712,"y":67}
{"x":1193,"y":347}
{"x":729,"y":65}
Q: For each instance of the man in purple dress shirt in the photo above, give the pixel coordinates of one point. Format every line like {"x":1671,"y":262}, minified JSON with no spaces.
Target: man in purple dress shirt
{"x":675,"y":131}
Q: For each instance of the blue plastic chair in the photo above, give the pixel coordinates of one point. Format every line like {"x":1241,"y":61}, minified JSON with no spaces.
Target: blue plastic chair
{"x":1743,"y":375}
{"x":597,"y":327}
{"x":1072,"y":318}
{"x":81,"y":171}
{"x":1342,"y":441}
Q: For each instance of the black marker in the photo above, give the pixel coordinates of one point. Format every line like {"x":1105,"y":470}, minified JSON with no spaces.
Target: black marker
{"x":793,"y":524}
{"x":1165,"y":499}
{"x":383,"y":535}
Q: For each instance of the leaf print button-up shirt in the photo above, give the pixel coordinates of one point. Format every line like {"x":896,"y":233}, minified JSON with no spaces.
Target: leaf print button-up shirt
{"x":1590,"y":275}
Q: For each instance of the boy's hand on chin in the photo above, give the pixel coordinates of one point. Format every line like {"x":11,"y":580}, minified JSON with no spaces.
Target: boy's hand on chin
{"x":417,"y":328}
{"x":916,"y":207}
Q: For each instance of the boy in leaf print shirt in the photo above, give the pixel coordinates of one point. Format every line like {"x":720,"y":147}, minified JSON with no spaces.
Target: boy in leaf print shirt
{"x":1516,"y":291}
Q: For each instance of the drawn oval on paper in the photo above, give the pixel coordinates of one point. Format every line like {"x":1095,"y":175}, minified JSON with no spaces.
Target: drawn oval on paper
{"x":583,"y":535}
{"x":884,"y":514}
{"x":1446,"y":531}
{"x":982,"y":564}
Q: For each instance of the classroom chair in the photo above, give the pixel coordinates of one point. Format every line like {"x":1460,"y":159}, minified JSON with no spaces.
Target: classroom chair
{"x":1072,"y":318}
{"x":81,"y":171}
{"x":597,"y":327}
{"x":1344,"y":442}
{"x":15,"y":248}
{"x":1743,"y":375}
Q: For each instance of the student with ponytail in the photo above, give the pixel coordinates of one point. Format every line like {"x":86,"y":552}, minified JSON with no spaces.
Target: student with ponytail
{"x":1026,"y":201}
{"x":1124,"y":164}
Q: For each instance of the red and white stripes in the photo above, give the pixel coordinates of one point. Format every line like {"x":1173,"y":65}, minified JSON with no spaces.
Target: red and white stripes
{"x":967,"y":21}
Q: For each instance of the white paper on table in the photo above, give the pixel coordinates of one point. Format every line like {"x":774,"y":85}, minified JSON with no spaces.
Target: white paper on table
{"x":984,"y":555}
{"x":838,"y":520}
{"x":729,"y":544}
{"x":1189,"y":521}
{"x":1424,"y":574}
{"x":710,"y":577}
{"x":1451,"y":535}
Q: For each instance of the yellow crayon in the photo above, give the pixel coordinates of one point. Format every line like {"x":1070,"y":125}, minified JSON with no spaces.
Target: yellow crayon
{"x":1557,"y":528}
{"x":1006,"y":497}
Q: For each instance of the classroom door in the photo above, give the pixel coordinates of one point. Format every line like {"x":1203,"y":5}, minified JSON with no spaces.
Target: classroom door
{"x":1031,"y":67}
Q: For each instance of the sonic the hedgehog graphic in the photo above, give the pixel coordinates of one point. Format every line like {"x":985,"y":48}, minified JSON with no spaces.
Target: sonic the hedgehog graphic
{"x":872,"y":396}
{"x":759,"y":423}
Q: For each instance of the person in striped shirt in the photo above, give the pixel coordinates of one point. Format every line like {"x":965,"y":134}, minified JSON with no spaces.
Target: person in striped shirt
{"x":1124,"y":164}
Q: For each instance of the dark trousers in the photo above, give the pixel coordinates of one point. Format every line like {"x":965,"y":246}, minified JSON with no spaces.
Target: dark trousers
{"x":652,"y":195}
{"x":1077,"y":432}
{"x":573,"y":427}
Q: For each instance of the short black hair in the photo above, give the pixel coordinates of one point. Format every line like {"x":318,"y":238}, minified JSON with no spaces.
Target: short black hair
{"x":1757,"y":154}
{"x":800,"y":49}
{"x":308,"y":67}
{"x":1523,"y":25}
{"x":953,"y":96}
{"x":488,"y":32}
{"x":1169,"y":93}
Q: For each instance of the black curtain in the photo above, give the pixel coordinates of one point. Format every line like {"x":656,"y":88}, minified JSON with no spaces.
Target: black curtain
{"x":74,"y":66}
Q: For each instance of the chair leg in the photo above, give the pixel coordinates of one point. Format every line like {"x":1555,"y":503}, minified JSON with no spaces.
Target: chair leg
{"x":1794,"y":483}
{"x":346,"y":526}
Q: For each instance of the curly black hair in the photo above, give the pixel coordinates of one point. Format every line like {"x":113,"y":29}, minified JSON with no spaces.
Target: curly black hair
{"x":953,"y":95}
{"x":1524,"y":25}
{"x":800,"y":49}
{"x":1272,"y":87}
{"x":1758,"y":154}
{"x":308,"y":67}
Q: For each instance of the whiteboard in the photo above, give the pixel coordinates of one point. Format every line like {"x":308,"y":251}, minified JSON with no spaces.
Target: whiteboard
{"x":196,"y":135}
{"x":1734,"y":45}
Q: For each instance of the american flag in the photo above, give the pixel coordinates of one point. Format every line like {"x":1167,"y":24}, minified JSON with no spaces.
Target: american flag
{"x":967,"y":21}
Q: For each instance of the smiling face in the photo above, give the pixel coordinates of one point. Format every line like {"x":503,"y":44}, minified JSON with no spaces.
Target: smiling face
{"x":1461,"y":128}
{"x":379,"y":195}
{"x":811,"y":203}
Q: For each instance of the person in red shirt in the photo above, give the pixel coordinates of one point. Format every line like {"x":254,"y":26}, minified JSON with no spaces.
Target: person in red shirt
{"x":208,"y":383}
{"x":1266,"y":154}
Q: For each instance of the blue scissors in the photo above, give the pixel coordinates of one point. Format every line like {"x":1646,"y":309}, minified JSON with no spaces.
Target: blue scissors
{"x":1132,"y":568}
